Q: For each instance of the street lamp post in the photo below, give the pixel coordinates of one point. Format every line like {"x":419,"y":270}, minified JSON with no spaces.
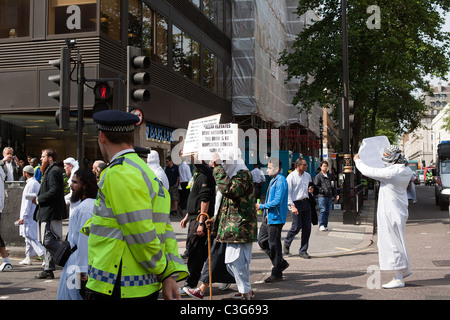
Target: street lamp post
{"x":321,"y":137}
{"x":349,"y":216}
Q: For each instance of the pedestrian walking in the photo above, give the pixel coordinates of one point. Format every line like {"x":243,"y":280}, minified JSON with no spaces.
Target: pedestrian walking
{"x":411,"y":190}
{"x":392,"y":213}
{"x":70,"y":167}
{"x":274,"y":218}
{"x":299,"y":186}
{"x":51,"y":210}
{"x":132,"y":248}
{"x":185,"y":176}
{"x":258,"y":180}
{"x":326,"y":185}
{"x":28,"y":227}
{"x":155,"y":165}
{"x":97,"y":167}
{"x":201,"y":200}
{"x":34,"y":162}
{"x":10,"y":165}
{"x":235,"y":224}
{"x":173,"y":175}
{"x":74,"y":274}
{"x":6,"y":264}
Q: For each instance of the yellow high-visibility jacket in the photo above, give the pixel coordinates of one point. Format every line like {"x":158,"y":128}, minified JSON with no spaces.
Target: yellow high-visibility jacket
{"x":130,"y":228}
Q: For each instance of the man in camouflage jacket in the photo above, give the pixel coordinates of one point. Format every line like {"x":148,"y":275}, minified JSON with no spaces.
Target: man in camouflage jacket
{"x":236,"y":222}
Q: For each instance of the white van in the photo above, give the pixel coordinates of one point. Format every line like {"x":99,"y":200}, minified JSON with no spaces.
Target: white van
{"x":442,"y":185}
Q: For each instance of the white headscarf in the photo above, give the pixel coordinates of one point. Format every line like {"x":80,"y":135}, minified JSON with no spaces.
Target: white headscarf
{"x":75,"y":165}
{"x":155,"y":166}
{"x":232,"y":167}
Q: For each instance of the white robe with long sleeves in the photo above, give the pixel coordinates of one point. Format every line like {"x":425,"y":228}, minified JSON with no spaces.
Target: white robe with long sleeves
{"x":78,"y":260}
{"x":392,"y":213}
{"x":2,"y":189}
{"x":29,"y":228}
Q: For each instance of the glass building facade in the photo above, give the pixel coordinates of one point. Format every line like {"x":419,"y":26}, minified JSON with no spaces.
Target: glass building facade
{"x":188,"y":41}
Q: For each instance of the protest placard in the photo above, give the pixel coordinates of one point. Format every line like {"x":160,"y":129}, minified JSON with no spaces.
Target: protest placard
{"x":371,"y":151}
{"x":191,"y":142}
{"x":220,"y":138}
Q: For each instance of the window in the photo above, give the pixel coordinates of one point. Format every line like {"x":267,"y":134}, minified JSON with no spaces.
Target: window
{"x":147,"y":31}
{"x":72,"y":16}
{"x":162,"y":35}
{"x":196,"y":2}
{"x":209,"y":66}
{"x":14,"y":18}
{"x":110,"y":18}
{"x":195,"y":54}
{"x":220,"y":78}
{"x":228,"y":84}
{"x":177,"y":48}
{"x":208,"y":9}
{"x":186,"y":54}
{"x":134,"y":23}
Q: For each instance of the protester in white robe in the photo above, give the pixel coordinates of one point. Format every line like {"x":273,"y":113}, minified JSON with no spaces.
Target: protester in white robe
{"x":70,"y":167}
{"x":392,"y":213}
{"x":412,"y":188}
{"x":28,"y":227}
{"x":155,"y":166}
{"x":84,"y":188}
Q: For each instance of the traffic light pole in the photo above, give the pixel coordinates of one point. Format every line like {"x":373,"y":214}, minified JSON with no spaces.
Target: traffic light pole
{"x":81,"y":81}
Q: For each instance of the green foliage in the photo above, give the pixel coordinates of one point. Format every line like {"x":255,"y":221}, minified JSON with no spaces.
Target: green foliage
{"x":386,"y":65}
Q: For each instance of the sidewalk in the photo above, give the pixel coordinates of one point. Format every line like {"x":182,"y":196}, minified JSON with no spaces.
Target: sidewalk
{"x":341,"y":239}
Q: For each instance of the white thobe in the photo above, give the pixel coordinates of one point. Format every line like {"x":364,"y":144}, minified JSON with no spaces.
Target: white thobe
{"x":78,"y":260}
{"x":29,"y":228}
{"x":2,"y":189}
{"x":392,"y":213}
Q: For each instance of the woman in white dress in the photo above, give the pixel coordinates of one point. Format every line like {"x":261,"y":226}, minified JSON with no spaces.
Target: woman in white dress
{"x":84,"y":188}
{"x":392,"y":213}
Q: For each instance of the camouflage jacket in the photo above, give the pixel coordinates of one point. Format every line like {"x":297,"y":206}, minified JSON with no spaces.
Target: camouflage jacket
{"x":236,"y":220}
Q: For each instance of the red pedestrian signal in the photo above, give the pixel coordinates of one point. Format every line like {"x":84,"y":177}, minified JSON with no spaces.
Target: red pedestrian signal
{"x":103,"y":97}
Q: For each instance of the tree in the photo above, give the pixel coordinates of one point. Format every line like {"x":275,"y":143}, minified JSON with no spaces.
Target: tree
{"x":386,"y":65}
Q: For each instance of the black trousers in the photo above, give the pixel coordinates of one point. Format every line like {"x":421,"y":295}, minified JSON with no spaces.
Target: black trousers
{"x":197,"y":254}
{"x":302,"y":222}
{"x":269,"y":240}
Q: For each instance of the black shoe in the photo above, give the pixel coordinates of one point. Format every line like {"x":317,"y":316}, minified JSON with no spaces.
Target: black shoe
{"x":285,"y":248}
{"x":304,"y":255}
{"x":285,"y":266}
{"x":45,"y":275}
{"x":273,"y":279}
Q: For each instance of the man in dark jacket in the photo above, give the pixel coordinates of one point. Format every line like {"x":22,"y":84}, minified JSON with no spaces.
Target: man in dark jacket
{"x":326,"y":185}
{"x":50,"y":210}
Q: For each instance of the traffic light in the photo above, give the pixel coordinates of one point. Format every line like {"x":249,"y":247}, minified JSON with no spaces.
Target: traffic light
{"x":103,"y":94}
{"x":136,"y":77}
{"x":62,"y":79}
{"x":351,"y":111}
